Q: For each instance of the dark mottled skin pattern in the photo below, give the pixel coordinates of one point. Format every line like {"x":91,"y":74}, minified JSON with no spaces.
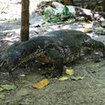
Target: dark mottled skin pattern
{"x":56,"y":47}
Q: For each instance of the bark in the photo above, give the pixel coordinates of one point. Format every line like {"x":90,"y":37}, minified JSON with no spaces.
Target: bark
{"x":82,"y":3}
{"x":103,"y":5}
{"x":90,"y":4}
{"x":24,"y":34}
{"x":67,"y":2}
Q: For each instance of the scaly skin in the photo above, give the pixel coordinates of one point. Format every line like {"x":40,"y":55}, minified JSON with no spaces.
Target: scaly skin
{"x":56,"y":47}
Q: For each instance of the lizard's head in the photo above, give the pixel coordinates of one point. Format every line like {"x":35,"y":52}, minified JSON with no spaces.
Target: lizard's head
{"x":14,"y":58}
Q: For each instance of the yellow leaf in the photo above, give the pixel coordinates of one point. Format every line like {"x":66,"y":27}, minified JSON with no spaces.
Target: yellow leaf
{"x":87,"y":30}
{"x":63,"y":78}
{"x":1,"y":89}
{"x":77,"y":78}
{"x":22,"y":75}
{"x":41,"y":84}
{"x":43,"y":63}
{"x":69,"y":71}
{"x":72,"y":20}
{"x":44,"y":30}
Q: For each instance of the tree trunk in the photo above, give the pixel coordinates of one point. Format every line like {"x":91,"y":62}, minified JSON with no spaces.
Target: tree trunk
{"x":90,"y":4}
{"x":103,"y":5}
{"x":67,"y":2}
{"x":24,"y":34}
{"x":82,"y":3}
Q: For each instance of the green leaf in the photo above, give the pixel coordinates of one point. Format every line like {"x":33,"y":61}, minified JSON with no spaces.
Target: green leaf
{"x":53,"y":16}
{"x":49,"y":12}
{"x":44,"y":23}
{"x":66,"y":11}
{"x":45,"y":15}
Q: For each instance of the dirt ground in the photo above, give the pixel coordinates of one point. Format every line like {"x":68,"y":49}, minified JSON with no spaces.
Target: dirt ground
{"x":88,"y":91}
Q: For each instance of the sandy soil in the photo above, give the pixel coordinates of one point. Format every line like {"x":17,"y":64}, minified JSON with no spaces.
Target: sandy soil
{"x":88,"y":91}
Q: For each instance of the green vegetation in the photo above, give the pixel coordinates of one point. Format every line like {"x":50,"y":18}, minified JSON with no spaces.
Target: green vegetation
{"x":64,"y":15}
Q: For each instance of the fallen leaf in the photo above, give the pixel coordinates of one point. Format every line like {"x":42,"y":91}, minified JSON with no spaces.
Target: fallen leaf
{"x":22,"y":75}
{"x":77,"y":77}
{"x":63,"y":78}
{"x":72,"y":20}
{"x":89,"y":22}
{"x":41,"y":84}
{"x":8,"y":87}
{"x":43,"y":63}
{"x":87,"y":30}
{"x":87,"y":25}
{"x":69,"y":71}
{"x":44,"y":30}
{"x":1,"y":89}
{"x":44,"y":23}
{"x":99,"y":28}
